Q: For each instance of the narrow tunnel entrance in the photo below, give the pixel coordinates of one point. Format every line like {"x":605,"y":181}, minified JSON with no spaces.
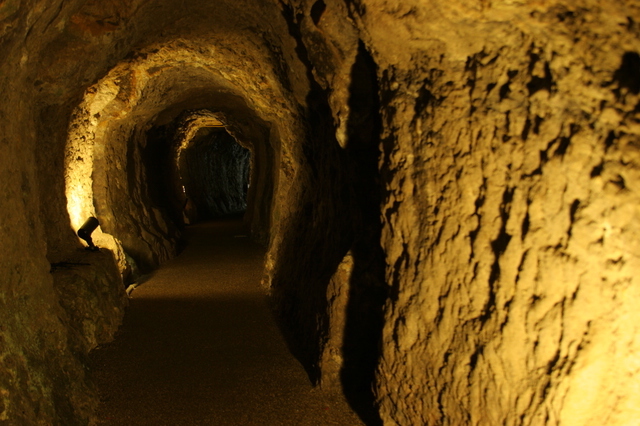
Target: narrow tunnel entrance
{"x":214,"y":174}
{"x":204,"y":177}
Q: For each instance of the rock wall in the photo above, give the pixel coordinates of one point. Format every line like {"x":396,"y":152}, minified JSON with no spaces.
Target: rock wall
{"x":45,"y":332}
{"x":327,"y":279}
{"x":509,"y":141}
{"x":510,"y":220}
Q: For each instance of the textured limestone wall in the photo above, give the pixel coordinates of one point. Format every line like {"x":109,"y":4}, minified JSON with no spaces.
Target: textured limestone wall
{"x":328,"y":275}
{"x":44,"y":332}
{"x":509,"y":140}
{"x":511,"y":220}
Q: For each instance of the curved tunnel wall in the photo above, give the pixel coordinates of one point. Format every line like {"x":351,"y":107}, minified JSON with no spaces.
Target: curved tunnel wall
{"x":45,"y":337}
{"x":507,"y":175}
{"x":119,"y":112}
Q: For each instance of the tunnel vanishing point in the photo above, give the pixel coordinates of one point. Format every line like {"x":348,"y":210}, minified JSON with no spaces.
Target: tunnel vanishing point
{"x":448,"y":191}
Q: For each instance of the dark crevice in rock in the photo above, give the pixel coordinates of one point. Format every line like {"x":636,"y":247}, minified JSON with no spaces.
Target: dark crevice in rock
{"x":367,"y":289}
{"x":536,"y":124}
{"x":473,"y":360}
{"x":525,"y":130}
{"x":563,"y":145}
{"x":597,"y":170}
{"x":628,"y":75}
{"x":526,"y":223}
{"x":293,"y":23}
{"x":504,"y":91}
{"x":498,"y":246}
{"x":323,"y":225}
{"x":317,"y":10}
{"x":610,"y":140}
{"x":541,"y":83}
{"x":441,"y":409}
{"x":425,"y":98}
{"x":572,"y":215}
{"x":619,"y":182}
{"x":565,"y":141}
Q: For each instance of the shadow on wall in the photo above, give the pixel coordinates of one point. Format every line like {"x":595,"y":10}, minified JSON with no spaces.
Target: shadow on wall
{"x":367,"y":287}
{"x":339,"y":211}
{"x":319,"y":231}
{"x":158,"y":162}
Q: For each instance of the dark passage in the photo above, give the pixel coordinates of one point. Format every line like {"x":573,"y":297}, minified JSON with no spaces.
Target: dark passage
{"x":199,"y":347}
{"x":215,"y":174}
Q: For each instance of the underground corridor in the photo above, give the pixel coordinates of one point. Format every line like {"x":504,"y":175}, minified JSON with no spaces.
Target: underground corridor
{"x":310,"y":212}
{"x":199,"y":343}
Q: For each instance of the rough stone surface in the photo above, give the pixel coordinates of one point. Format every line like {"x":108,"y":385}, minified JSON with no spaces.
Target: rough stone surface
{"x":510,"y":155}
{"x":473,"y":165}
{"x":86,"y":291}
{"x":510,"y":249}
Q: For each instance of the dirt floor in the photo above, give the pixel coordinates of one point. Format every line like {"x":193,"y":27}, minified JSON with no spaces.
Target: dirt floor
{"x":199,"y":347}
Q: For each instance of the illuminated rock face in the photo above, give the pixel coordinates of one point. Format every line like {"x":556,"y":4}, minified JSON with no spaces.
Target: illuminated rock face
{"x":448,"y":190}
{"x":510,"y":145}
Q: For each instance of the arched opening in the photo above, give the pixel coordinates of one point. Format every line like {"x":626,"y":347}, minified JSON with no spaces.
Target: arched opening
{"x":196,"y":170}
{"x":214,"y":173}
{"x":146,"y":156}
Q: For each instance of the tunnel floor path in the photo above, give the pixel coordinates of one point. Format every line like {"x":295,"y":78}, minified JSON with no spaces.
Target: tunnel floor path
{"x":199,"y":347}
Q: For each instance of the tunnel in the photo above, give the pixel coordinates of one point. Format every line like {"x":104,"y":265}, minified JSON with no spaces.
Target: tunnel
{"x":444,"y":192}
